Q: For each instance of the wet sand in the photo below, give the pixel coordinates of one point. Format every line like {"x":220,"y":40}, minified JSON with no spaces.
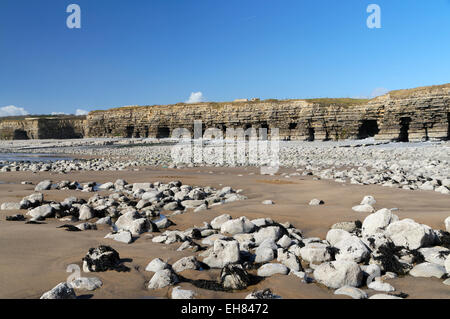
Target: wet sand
{"x":34,"y":258}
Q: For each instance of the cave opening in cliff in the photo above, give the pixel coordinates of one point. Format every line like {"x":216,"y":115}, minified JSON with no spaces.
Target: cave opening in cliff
{"x":129,"y":131}
{"x":163,"y":132}
{"x":368,"y":128}
{"x":20,"y":135}
{"x":311,"y":133}
{"x":404,"y":129}
{"x":292,"y":126}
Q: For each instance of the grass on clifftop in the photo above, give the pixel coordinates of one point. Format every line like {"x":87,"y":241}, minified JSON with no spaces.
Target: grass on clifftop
{"x":422,"y":90}
{"x":42,"y":116}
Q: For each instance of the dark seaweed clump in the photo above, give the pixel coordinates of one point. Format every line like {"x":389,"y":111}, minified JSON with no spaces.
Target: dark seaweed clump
{"x":106,"y":258}
{"x":69,"y":228}
{"x":388,"y":256}
{"x":332,"y":251}
{"x":418,"y":258}
{"x":15,"y":218}
{"x":444,"y":238}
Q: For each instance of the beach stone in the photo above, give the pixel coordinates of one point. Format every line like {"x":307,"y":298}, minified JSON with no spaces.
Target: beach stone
{"x":61,"y":291}
{"x":164,"y":223}
{"x":262,"y":294}
{"x":428,"y":270}
{"x":384,"y":296}
{"x":334,"y":236}
{"x":369,"y":200}
{"x":234,"y":276}
{"x":378,"y":221}
{"x":201,"y":208}
{"x":217,"y":222}
{"x":284,"y":242}
{"x":212,"y":238}
{"x":289,"y":260}
{"x":163,"y":278}
{"x":316,"y":202}
{"x":133,"y":222}
{"x":272,"y":232}
{"x":264,"y":254}
{"x":381,"y":286}
{"x":10,"y":206}
{"x":315,"y":253}
{"x":104,"y":221}
{"x":85,"y":213}
{"x":43,"y":211}
{"x":43,"y":186}
{"x":372,"y":270}
{"x":352,"y":249}
{"x":366,"y":208}
{"x":268,"y":202}
{"x":101,"y":259}
{"x":375,"y":241}
{"x":186,"y":263}
{"x":447,"y":264}
{"x":353,"y":292}
{"x":178,"y":293}
{"x":337,"y":274}
{"x":447,"y":282}
{"x":122,"y":236}
{"x":435,"y":255}
{"x":409,"y":234}
{"x":347,"y":226}
{"x":223,"y":253}
{"x":192,"y":203}
{"x":86,"y":283}
{"x":237,"y":226}
{"x":144,"y":186}
{"x":156,"y":265}
{"x":447,"y":224}
{"x":262,"y":222}
{"x":268,"y":270}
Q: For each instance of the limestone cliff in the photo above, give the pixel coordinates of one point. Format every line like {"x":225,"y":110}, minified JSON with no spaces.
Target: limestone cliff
{"x":414,"y":114}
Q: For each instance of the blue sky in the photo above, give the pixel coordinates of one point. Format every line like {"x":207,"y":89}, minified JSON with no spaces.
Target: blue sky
{"x":145,"y":52}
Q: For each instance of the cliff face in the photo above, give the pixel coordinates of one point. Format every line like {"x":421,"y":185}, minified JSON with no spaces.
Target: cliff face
{"x":404,"y":115}
{"x":416,"y":114}
{"x":42,"y":128}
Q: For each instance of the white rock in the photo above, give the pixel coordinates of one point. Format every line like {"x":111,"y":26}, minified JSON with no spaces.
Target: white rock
{"x":133,"y":222}
{"x":315,"y":253}
{"x":156,"y":265}
{"x":123,"y":236}
{"x":447,"y":264}
{"x":336,"y":274}
{"x":435,"y":255}
{"x":377,"y":222}
{"x":106,"y":186}
{"x":370,"y":200}
{"x":366,"y":208}
{"x":352,"y":249}
{"x":217,"y":222}
{"x":186,"y":263}
{"x":427,"y":270}
{"x":85,"y":213}
{"x":61,"y":291}
{"x":272,"y":232}
{"x":381,"y":286}
{"x":268,"y":202}
{"x":43,"y":186}
{"x":316,"y":202}
{"x":447,"y":224}
{"x":409,"y":234}
{"x":353,"y":292}
{"x":284,"y":241}
{"x":334,"y":236}
{"x":268,"y":270}
{"x":41,"y":211}
{"x":289,"y":260}
{"x":223,"y":253}
{"x":237,"y":226}
{"x":211,"y":239}
{"x":178,"y":293}
{"x":163,"y":278}
{"x":264,"y":254}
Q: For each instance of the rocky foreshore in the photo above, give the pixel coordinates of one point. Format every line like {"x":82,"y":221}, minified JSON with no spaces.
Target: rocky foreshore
{"x":355,"y":257}
{"x":411,"y":166}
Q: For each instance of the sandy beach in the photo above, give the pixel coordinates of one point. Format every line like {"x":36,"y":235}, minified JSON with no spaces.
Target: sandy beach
{"x":35,"y":257}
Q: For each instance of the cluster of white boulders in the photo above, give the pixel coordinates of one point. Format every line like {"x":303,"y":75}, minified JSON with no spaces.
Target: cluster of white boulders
{"x":352,"y":256}
{"x":131,"y":209}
